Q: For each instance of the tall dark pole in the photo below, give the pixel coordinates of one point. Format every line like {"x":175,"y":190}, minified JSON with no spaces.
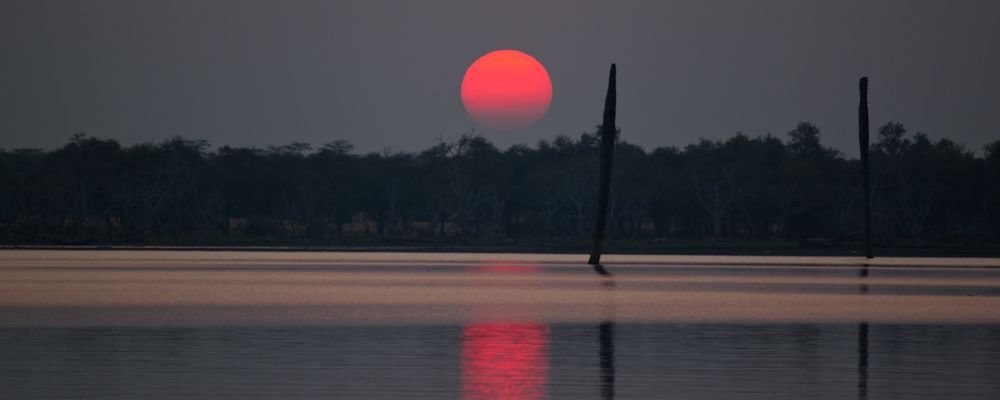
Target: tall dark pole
{"x":863,"y":142}
{"x":607,"y":152}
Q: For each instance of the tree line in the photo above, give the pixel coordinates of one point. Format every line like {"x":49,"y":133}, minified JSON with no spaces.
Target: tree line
{"x":180,"y":191}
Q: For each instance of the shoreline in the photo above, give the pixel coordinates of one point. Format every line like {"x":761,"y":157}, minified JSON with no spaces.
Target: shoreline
{"x":683,"y":248}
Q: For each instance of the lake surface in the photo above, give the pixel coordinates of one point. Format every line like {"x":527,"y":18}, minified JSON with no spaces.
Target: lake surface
{"x":321,"y":325}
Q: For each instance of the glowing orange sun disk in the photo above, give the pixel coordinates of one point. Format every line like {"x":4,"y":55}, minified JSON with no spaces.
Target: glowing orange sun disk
{"x":506,"y":90}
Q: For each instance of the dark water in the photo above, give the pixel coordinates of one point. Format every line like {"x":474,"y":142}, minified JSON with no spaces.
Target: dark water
{"x":505,"y":361}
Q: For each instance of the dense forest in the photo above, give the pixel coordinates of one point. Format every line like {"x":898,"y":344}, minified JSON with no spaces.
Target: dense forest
{"x":765,"y":188}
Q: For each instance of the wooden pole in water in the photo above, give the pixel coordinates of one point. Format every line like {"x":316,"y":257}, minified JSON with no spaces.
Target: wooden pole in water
{"x":607,"y":152}
{"x":863,"y":142}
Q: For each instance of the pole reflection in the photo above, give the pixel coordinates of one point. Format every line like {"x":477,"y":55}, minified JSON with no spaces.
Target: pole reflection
{"x":606,"y":335}
{"x":863,"y":361}
{"x":607,"y":338}
{"x":863,"y":273}
{"x":863,"y":342}
{"x":505,"y":361}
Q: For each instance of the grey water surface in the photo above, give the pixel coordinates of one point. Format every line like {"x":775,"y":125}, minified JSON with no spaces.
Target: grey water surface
{"x":207,"y":325}
{"x":504,"y":361}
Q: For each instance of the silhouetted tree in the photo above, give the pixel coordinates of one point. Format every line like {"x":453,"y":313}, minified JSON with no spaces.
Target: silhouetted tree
{"x":925,"y":192}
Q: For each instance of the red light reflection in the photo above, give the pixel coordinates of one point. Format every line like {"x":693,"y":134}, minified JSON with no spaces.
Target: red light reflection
{"x":507,"y":267}
{"x":505,"y":361}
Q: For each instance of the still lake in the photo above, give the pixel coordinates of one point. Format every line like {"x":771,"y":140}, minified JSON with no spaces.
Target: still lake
{"x":148,"y":324}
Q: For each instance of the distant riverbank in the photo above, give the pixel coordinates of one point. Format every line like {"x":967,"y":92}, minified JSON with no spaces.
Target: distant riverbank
{"x":733,"y":248}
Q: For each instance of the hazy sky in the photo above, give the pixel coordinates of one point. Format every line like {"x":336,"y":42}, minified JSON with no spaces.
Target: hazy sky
{"x":387,"y":73}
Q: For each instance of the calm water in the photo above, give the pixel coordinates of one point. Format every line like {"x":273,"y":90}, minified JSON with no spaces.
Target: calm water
{"x":505,"y":361}
{"x":160,"y":325}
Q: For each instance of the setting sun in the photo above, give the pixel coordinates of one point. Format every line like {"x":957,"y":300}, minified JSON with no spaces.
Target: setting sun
{"x":506,"y":90}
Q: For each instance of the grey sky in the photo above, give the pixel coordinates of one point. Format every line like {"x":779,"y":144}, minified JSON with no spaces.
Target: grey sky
{"x":387,"y":73}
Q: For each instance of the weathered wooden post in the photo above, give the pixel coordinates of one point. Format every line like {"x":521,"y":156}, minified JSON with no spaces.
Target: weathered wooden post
{"x":607,"y":152}
{"x":863,"y":142}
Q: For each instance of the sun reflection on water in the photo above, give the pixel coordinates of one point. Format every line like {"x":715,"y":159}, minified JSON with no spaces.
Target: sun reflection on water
{"x":505,"y":361}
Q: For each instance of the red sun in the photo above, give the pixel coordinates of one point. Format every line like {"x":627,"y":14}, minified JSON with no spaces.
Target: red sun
{"x":506,"y":90}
